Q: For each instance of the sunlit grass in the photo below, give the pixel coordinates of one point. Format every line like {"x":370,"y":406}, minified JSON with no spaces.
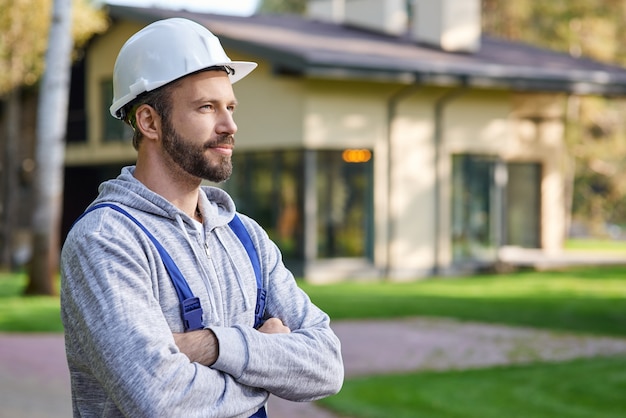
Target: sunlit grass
{"x":579,"y":388}
{"x":596,"y":245}
{"x":584,"y":299}
{"x":20,"y":313}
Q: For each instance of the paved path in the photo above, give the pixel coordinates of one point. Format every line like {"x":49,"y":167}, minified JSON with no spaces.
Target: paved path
{"x":34,"y":382}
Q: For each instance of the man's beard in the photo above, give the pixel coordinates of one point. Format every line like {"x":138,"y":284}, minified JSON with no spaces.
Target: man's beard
{"x":191,"y":157}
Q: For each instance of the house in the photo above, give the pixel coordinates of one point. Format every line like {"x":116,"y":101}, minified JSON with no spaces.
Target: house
{"x":373,"y":142}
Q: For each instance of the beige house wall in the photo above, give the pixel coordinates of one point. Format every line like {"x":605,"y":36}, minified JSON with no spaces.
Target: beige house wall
{"x":344,"y":114}
{"x":411,"y":183}
{"x":270,"y":109}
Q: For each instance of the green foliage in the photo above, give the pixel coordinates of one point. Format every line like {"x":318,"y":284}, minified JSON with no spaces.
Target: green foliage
{"x":580,"y":27}
{"x":596,"y":137}
{"x":24,"y":26}
{"x":581,"y":388}
{"x":283,"y":6}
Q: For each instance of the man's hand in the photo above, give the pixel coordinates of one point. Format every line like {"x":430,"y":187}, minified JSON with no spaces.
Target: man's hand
{"x":200,"y":346}
{"x":274,"y":326}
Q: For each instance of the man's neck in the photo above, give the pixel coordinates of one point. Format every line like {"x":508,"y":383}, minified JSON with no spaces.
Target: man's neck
{"x":178,"y":188}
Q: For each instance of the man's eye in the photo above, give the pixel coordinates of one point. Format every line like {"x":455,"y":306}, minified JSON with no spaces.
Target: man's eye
{"x":207,"y":107}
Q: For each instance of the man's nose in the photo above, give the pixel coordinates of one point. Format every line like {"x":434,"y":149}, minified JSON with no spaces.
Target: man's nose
{"x":226,"y":124}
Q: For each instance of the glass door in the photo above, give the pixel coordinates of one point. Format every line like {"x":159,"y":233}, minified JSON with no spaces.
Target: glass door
{"x":523,"y":205}
{"x":473,"y":201}
{"x":493,"y":204}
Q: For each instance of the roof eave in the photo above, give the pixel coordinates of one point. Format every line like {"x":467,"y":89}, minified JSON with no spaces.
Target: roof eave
{"x":575,"y":86}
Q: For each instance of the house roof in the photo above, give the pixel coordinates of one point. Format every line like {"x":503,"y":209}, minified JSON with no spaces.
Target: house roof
{"x":300,"y":46}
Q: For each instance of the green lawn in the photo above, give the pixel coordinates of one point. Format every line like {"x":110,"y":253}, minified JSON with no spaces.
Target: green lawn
{"x":26,"y":313}
{"x":599,"y":245}
{"x":591,"y":300}
{"x":575,"y":389}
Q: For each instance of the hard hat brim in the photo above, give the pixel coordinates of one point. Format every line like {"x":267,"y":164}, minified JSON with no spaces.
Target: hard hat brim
{"x":242,"y":69}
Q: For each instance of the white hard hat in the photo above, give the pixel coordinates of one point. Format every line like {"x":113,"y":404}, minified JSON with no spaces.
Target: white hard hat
{"x":165,"y":51}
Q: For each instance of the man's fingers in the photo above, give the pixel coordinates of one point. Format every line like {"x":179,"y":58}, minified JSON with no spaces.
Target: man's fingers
{"x":274,"y":326}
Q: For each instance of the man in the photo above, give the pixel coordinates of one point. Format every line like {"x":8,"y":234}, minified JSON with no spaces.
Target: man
{"x":126,"y":347}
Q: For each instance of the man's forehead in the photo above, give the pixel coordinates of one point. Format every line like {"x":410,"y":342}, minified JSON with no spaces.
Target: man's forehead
{"x":207,"y":81}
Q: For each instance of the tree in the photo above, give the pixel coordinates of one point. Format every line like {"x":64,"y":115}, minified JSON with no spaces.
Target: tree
{"x":24,"y":26}
{"x":19,"y":65}
{"x":51,"y":119}
{"x":283,"y":6}
{"x":23,"y":38}
{"x":595,"y":134}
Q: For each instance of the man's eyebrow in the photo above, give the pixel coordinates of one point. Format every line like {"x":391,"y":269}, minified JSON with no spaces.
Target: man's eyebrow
{"x":201,"y":100}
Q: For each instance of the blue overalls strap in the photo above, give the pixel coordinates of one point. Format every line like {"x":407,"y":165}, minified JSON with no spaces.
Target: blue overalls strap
{"x":190,"y":305}
{"x":244,"y":236}
{"x":261,"y":413}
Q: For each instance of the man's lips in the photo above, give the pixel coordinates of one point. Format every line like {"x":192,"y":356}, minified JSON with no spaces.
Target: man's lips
{"x":222,"y":147}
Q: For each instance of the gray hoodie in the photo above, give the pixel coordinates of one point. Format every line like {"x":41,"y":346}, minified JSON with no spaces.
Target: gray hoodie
{"x":119,"y":309}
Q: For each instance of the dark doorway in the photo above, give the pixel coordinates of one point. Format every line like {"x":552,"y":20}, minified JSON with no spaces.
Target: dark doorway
{"x":81,"y":188}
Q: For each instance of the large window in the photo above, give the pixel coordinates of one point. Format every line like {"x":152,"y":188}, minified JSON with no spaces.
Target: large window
{"x":473,"y":208}
{"x":113,"y":129}
{"x":344,"y":194}
{"x":76,"y":112}
{"x":271,"y":188}
{"x":494,"y":203}
{"x":523,"y":197}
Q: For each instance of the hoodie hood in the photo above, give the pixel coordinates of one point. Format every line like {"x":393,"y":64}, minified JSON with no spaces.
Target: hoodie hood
{"x":216,"y":205}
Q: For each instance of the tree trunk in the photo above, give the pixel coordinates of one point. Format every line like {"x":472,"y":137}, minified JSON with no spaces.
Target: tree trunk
{"x":9,"y":176}
{"x":51,"y":126}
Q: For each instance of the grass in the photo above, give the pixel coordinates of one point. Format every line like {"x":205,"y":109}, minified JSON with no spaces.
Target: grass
{"x":596,"y":245}
{"x":580,"y":388}
{"x":20,"y":313}
{"x":590,"y":300}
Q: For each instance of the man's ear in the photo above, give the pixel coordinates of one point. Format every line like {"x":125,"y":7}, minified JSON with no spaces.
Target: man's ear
{"x":148,"y":122}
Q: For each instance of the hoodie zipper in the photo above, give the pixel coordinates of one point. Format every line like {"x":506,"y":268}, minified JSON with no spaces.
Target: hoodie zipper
{"x":206,"y":250}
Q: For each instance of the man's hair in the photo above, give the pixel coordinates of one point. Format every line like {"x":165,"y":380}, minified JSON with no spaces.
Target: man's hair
{"x":160,"y":100}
